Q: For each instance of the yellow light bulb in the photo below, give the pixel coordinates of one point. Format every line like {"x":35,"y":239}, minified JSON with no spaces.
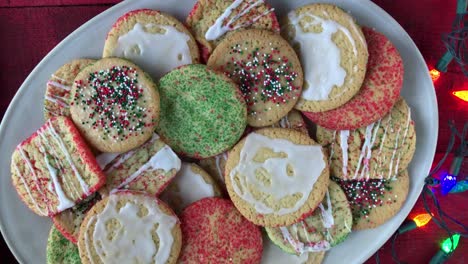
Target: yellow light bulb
{"x":435,"y":74}
{"x":422,"y":219}
{"x":463,"y":94}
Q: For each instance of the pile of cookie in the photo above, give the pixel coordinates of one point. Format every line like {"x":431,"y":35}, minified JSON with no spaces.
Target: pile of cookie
{"x":181,"y":148}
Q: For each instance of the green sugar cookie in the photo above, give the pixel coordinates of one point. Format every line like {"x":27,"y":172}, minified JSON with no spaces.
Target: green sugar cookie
{"x":202,"y":112}
{"x":60,"y":250}
{"x":328,"y":226}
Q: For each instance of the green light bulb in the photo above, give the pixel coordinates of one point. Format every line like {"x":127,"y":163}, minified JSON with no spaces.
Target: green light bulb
{"x":447,"y":246}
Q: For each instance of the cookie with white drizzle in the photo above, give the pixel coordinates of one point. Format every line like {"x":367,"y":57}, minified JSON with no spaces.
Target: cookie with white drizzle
{"x":115,"y":105}
{"x":276,"y":176}
{"x":128,"y":227}
{"x":267,"y":70}
{"x":374,"y":201}
{"x":54,"y":169}
{"x":378,"y":151}
{"x":212,"y":20}
{"x":57,"y":95}
{"x":328,"y":226}
{"x":148,"y":168}
{"x":191,"y":184}
{"x":273,"y":254}
{"x":154,"y":40}
{"x":333,"y":53}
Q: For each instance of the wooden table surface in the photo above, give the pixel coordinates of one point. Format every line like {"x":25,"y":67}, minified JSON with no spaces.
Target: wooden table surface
{"x":29,"y":29}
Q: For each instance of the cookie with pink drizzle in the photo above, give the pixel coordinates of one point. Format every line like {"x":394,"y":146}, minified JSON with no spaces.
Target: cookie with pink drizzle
{"x":380,"y":150}
{"x":212,"y":20}
{"x":379,"y":92}
{"x":54,"y":169}
{"x":267,"y":70}
{"x":215,"y":232}
{"x":148,"y":168}
{"x":328,"y":226}
{"x":115,"y":105}
{"x":57,"y":95}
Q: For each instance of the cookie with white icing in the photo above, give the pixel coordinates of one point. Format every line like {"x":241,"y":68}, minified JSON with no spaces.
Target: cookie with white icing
{"x":276,"y":176}
{"x":380,"y":150}
{"x":333,"y":53}
{"x":373,"y":202}
{"x":69,"y":221}
{"x":273,"y":254}
{"x":212,"y":20}
{"x":114,"y":104}
{"x":215,"y":232}
{"x":267,"y":70}
{"x":148,"y":168}
{"x":191,"y":184}
{"x":328,"y":226}
{"x":54,"y":169}
{"x":154,"y":40}
{"x":379,"y":92}
{"x":60,"y":250}
{"x":216,"y":165}
{"x":128,"y":227}
{"x":57,"y":95}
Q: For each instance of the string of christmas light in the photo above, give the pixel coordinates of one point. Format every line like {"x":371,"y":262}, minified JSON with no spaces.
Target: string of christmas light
{"x":440,"y":217}
{"x":456,"y":43}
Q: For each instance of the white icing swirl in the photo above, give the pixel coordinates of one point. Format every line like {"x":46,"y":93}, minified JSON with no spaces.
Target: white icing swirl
{"x":306,"y":161}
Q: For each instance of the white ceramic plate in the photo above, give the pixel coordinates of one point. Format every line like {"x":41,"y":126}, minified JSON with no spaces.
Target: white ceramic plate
{"x":26,"y":233}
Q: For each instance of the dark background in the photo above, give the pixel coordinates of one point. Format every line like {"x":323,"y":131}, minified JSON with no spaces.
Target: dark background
{"x":29,"y":29}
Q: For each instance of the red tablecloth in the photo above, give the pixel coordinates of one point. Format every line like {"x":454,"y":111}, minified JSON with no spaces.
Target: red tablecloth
{"x":29,"y":29}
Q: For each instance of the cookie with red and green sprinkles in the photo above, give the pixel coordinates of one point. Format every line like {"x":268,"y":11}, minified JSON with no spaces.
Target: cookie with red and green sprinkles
{"x":328,"y":226}
{"x":60,"y":250}
{"x":379,"y":92}
{"x":373,"y":202}
{"x":69,"y":221}
{"x":276,"y":176}
{"x":202,"y":111}
{"x":57,"y":95}
{"x":378,"y":151}
{"x":114,"y":104}
{"x":154,"y":40}
{"x":215,"y":232}
{"x":267,"y":70}
{"x":149,"y":168}
{"x":212,"y":20}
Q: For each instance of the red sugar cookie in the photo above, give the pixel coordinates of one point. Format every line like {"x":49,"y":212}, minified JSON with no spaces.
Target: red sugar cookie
{"x":215,"y":232}
{"x":379,"y":92}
